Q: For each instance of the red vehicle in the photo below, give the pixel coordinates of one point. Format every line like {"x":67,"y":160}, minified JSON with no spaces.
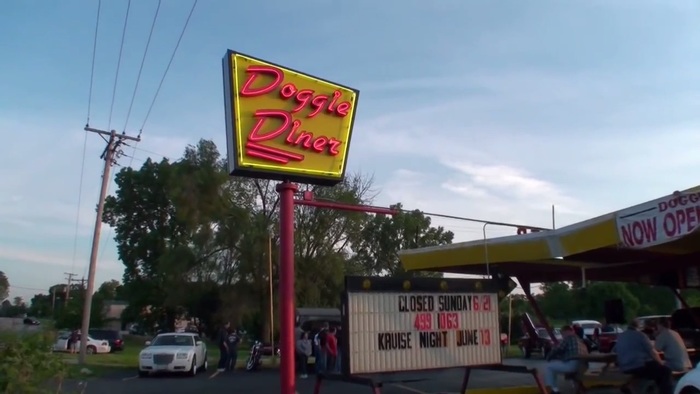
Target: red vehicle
{"x":606,"y":338}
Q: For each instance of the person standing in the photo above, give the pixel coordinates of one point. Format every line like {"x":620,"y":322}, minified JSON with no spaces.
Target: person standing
{"x":303,"y":352}
{"x":233,"y":339}
{"x":636,"y":356}
{"x":670,"y":343}
{"x":339,"y":339}
{"x":332,"y":349}
{"x":74,"y":341}
{"x":222,"y":340}
{"x":562,"y":359}
{"x":320,"y":345}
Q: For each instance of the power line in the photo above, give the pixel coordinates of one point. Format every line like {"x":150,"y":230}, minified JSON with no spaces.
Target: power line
{"x":80,"y":197}
{"x":143,"y":61}
{"x":160,"y":85}
{"x":119,"y":62}
{"x":92,"y":72}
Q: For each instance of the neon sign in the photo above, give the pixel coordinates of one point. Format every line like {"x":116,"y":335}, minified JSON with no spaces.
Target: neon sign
{"x":286,"y":125}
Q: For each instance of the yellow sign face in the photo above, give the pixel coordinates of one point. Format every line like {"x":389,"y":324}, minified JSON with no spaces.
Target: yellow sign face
{"x":285,"y":125}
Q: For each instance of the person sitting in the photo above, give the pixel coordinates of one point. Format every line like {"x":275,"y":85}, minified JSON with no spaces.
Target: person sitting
{"x":671,"y":344}
{"x":563,"y":358}
{"x":636,"y":356}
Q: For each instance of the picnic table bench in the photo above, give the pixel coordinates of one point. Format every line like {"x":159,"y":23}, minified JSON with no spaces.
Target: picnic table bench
{"x":609,"y":375}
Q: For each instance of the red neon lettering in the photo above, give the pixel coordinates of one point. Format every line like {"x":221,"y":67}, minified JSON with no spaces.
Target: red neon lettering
{"x":285,"y":123}
{"x":639,"y":232}
{"x":255,"y":71}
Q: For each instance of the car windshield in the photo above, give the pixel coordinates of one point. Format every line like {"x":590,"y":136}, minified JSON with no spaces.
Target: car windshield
{"x":173,"y":340}
{"x":542,"y":333}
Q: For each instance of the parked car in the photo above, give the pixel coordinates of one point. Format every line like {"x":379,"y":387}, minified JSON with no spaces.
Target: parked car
{"x":646,"y":323}
{"x":684,"y":321}
{"x":173,"y":352}
{"x":607,"y":338}
{"x":588,"y":327}
{"x":29,"y":321}
{"x":536,"y":338}
{"x":94,"y":346}
{"x":689,"y":383}
{"x":114,"y":337}
{"x":311,"y":320}
{"x":541,"y":343}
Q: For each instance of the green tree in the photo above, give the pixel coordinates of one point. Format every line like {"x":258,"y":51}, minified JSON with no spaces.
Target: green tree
{"x":40,"y":305}
{"x":110,"y":290}
{"x":556,"y":301}
{"x":381,"y":238}
{"x":590,"y":301}
{"x":4,"y":286}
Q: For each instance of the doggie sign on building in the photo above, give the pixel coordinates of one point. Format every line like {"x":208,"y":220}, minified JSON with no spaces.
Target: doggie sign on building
{"x":285,"y":125}
{"x":419,"y":324}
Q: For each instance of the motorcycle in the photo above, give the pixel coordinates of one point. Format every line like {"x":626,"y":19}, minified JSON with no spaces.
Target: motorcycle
{"x":255,"y":357}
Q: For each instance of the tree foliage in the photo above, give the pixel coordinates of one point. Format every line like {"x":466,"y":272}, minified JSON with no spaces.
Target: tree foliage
{"x":197,"y":243}
{"x":4,"y":286}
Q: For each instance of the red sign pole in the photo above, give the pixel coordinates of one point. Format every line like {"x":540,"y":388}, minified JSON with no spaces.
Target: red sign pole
{"x":286,"y":294}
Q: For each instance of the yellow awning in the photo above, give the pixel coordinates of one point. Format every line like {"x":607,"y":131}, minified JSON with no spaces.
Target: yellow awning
{"x":560,"y":245}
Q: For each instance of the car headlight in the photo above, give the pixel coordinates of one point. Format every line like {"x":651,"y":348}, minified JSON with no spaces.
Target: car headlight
{"x":183,"y":356}
{"x":105,"y":343}
{"x":146,"y":355}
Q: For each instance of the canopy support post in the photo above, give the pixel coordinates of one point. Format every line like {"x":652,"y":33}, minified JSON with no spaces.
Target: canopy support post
{"x":536,"y":308}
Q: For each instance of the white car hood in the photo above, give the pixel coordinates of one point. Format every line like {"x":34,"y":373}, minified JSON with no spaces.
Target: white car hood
{"x":167,"y":349}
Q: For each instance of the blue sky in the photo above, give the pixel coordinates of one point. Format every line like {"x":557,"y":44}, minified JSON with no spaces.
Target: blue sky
{"x":485,"y":109}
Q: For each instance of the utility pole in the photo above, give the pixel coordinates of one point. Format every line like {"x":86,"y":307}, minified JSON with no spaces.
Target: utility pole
{"x":69,"y":279}
{"x":112,"y":150}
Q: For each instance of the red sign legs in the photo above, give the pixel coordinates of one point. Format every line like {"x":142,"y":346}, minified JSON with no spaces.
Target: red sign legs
{"x":286,"y":294}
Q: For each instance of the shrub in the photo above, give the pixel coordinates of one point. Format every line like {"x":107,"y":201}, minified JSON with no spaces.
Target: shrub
{"x":27,"y":364}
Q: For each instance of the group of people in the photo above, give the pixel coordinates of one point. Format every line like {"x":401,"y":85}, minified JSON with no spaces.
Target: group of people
{"x":636,"y":355}
{"x":228,"y":340}
{"x":325,"y":347}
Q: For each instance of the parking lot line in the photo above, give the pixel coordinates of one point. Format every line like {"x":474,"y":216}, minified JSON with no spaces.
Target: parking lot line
{"x":213,"y":375}
{"x":130,"y":378}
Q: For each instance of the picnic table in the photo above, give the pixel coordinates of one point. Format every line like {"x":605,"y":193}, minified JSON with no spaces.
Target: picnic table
{"x":610,"y":358}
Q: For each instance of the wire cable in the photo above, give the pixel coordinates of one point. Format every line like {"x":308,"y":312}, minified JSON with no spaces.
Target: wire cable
{"x":92,"y":72}
{"x":80,"y":197}
{"x":119,"y":62}
{"x":143,"y":61}
{"x":160,"y":85}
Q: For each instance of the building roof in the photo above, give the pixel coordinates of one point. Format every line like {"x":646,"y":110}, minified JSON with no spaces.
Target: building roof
{"x":648,"y":236}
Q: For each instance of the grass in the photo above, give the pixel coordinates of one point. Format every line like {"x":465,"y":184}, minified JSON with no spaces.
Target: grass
{"x":101,"y":364}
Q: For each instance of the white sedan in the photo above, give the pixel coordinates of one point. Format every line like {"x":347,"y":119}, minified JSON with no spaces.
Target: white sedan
{"x":173,"y":352}
{"x":93,"y":345}
{"x":689,"y":383}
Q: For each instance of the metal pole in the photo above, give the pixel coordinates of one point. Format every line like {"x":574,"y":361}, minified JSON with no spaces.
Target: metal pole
{"x":286,"y":287}
{"x":510,"y":322}
{"x":87,"y":306}
{"x":272,"y":300}
{"x":554,"y":224}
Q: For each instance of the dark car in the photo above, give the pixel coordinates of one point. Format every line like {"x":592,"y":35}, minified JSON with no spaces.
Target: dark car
{"x":685,"y":321}
{"x":536,"y":338}
{"x":541,"y":343}
{"x":31,"y":322}
{"x":114,"y":337}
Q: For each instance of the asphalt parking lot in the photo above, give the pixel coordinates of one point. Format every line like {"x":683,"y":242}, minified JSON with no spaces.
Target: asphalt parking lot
{"x":267,"y":381}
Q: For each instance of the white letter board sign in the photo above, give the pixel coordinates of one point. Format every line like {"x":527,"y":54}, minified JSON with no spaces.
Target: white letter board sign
{"x":394,"y":324}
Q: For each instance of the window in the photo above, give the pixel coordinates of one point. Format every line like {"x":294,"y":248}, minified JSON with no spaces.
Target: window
{"x":173,"y":340}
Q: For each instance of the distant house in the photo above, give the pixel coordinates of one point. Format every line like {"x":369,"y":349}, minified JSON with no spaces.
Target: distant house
{"x":112,"y":311}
